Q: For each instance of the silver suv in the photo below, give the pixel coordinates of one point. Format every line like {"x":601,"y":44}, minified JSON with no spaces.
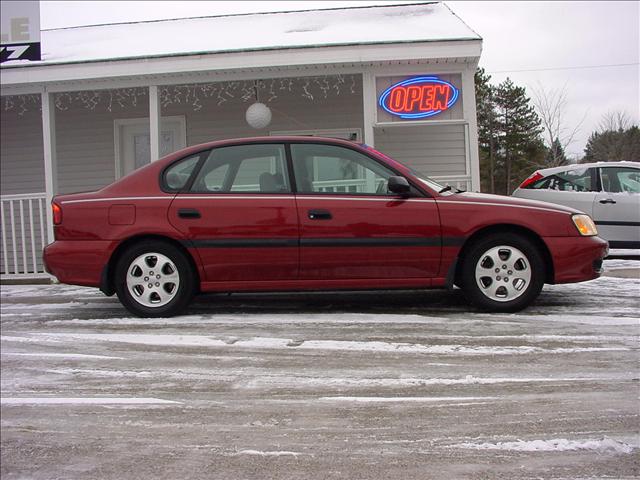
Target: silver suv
{"x":608,"y":191}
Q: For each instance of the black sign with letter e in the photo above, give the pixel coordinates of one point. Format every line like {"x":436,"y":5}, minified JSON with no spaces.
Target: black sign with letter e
{"x":20,"y":51}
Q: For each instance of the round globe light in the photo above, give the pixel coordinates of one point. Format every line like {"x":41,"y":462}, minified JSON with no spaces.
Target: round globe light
{"x":258,"y":115}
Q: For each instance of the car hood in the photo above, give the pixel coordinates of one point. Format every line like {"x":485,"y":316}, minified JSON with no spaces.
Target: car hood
{"x":496,"y":200}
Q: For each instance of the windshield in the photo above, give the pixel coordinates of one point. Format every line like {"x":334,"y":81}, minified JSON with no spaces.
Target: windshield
{"x":433,"y":185}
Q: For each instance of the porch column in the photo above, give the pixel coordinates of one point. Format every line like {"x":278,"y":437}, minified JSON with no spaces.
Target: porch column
{"x":50,"y":157}
{"x":154,"y":122}
{"x":469,"y":107}
{"x":369,"y":105}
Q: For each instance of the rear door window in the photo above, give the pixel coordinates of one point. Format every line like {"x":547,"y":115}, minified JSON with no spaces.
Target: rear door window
{"x":244,"y":168}
{"x":620,"y":179}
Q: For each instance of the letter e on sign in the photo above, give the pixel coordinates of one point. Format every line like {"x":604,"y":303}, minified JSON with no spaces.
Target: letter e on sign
{"x":19,"y":30}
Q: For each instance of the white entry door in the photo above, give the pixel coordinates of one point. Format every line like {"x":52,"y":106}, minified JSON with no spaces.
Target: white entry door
{"x":133,"y":145}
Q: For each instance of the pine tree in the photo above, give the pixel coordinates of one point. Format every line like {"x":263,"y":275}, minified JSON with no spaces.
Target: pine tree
{"x":486,"y":111}
{"x":555,"y":156}
{"x":613,"y":145}
{"x":519,"y":130}
{"x":509,"y":141}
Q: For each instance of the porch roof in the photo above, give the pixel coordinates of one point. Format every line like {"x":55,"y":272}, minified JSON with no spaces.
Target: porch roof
{"x":214,"y":48}
{"x":432,"y":21}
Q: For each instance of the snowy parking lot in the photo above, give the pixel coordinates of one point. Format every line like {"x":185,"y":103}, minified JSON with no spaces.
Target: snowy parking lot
{"x":386,"y":385}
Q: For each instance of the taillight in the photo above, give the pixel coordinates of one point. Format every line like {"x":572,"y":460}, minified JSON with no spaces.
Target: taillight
{"x":57,"y":213}
{"x":532,"y":179}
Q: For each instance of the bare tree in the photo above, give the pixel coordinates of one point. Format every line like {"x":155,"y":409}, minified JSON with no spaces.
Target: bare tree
{"x":551,"y":105}
{"x":614,"y":122}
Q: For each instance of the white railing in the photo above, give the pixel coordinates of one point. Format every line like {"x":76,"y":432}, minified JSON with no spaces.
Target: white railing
{"x":23,"y":220}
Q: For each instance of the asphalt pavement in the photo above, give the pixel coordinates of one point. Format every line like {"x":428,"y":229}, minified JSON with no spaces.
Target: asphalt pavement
{"x":402,"y":385}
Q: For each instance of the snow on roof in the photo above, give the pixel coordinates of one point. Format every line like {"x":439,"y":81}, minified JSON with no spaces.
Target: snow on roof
{"x":260,"y":31}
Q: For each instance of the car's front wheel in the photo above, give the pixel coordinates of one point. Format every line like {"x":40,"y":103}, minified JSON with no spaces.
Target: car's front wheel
{"x":502,"y":272}
{"x":154,"y":279}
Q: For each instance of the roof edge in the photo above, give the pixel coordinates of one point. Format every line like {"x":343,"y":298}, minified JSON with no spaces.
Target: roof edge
{"x":220,"y":52}
{"x":460,"y":18}
{"x":250,"y":14}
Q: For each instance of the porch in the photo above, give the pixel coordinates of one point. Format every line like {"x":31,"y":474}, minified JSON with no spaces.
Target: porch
{"x":68,"y":141}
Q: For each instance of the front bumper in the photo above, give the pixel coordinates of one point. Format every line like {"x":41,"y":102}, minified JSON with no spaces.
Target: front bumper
{"x":577,"y":259}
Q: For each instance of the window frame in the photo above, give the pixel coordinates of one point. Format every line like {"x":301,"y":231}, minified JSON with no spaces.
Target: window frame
{"x":601,"y":188}
{"x":196,"y":169}
{"x":232,"y":171}
{"x":415,"y":192}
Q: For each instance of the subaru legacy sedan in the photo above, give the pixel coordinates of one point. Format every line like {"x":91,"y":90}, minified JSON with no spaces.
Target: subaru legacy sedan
{"x":309,"y":213}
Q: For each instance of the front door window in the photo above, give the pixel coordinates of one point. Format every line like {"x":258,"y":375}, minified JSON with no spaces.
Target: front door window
{"x":331,"y":169}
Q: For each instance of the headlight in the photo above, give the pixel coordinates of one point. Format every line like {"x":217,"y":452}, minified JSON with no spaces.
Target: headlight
{"x":585,"y":225}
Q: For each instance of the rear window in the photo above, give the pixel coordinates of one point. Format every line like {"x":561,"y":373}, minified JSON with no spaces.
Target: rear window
{"x":576,"y":180}
{"x":175,"y":177}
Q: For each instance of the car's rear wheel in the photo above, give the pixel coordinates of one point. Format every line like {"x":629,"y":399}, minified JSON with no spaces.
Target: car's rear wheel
{"x":502,"y":272}
{"x":154,"y":279}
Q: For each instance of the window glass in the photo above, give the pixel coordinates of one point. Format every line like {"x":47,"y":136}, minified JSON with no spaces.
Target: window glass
{"x":244,"y":168}
{"x":214,"y":180}
{"x":620,"y":179}
{"x":577,"y":180}
{"x":332,"y":169}
{"x":177,"y":175}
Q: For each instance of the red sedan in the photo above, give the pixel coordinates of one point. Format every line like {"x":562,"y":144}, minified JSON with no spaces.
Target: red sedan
{"x":296,"y":213}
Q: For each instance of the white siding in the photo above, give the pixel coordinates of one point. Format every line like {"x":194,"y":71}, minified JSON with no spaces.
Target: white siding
{"x":434,"y":150}
{"x":85,"y":144}
{"x":290,"y":111}
{"x":21,"y":151}
{"x":85,"y":137}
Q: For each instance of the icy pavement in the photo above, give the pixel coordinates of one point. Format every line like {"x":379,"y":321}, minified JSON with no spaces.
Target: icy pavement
{"x":402,"y":385}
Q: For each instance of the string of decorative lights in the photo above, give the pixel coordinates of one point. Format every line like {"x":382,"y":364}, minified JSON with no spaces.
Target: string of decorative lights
{"x":193,"y":95}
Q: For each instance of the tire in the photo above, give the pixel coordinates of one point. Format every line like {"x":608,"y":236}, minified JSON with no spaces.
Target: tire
{"x":154,"y":279}
{"x":502,"y":272}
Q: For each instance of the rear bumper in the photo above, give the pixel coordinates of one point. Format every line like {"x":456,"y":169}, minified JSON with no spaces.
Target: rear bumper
{"x":577,"y":259}
{"x":77,"y":262}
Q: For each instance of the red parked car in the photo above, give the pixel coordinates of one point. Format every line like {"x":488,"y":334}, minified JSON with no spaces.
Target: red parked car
{"x":309,"y":213}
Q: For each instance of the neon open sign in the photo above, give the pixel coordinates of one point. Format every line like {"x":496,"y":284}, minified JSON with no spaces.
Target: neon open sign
{"x":419,"y":97}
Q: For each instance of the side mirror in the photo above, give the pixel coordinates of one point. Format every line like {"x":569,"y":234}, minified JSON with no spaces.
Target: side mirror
{"x":399,"y":185}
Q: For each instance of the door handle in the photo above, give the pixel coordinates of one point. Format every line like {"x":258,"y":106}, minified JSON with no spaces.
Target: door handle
{"x":319,"y":215}
{"x":608,"y":200}
{"x":188,"y":213}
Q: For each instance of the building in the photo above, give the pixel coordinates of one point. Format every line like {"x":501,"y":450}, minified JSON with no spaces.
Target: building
{"x":106,"y":99}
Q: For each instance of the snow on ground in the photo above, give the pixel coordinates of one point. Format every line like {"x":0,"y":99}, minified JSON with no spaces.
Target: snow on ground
{"x":57,"y":355}
{"x":80,"y":400}
{"x":555,"y":445}
{"x":268,"y":454}
{"x":284,"y":343}
{"x":315,"y":386}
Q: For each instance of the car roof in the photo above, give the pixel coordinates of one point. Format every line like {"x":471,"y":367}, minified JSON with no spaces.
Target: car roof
{"x":582,"y":166}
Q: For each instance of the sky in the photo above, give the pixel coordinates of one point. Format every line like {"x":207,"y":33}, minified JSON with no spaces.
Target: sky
{"x":590,"y":50}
